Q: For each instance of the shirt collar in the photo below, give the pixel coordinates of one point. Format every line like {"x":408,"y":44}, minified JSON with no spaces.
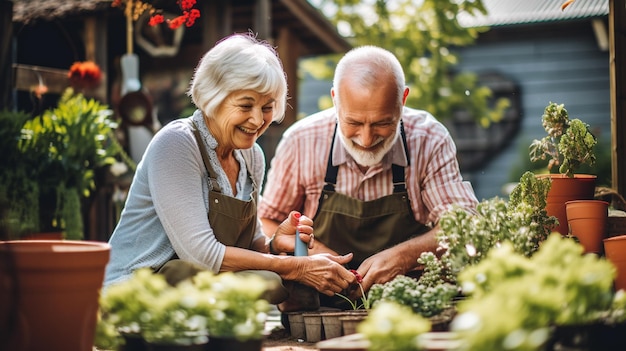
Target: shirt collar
{"x":397,"y":155}
{"x":209,"y":139}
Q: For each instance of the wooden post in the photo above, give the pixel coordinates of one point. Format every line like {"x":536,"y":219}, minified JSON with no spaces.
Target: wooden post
{"x":128,"y":12}
{"x":262,"y":19}
{"x":617,"y":62}
{"x":6,"y":54}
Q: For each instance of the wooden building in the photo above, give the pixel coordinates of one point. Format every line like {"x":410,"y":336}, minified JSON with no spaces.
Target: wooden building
{"x":48,"y":36}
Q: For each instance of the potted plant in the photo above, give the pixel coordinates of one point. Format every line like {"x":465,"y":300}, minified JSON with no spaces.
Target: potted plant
{"x":467,"y":238}
{"x":427,"y":296}
{"x":523,"y":221}
{"x":568,"y":145}
{"x":520,"y":303}
{"x":226,"y":308}
{"x":44,"y":280}
{"x":60,"y":152}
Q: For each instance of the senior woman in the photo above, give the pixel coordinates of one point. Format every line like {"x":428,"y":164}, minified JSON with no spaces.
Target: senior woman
{"x":192,"y":202}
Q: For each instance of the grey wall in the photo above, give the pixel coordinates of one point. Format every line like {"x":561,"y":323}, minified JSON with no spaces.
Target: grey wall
{"x":560,"y":63}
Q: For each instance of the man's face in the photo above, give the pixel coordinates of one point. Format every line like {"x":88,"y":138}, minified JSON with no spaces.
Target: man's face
{"x":368,"y":121}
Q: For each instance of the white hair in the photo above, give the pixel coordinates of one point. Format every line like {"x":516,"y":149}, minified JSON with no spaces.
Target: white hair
{"x":367,"y":66}
{"x":238,"y":62}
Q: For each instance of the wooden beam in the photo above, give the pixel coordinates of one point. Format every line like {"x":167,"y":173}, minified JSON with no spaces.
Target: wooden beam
{"x":317,"y":24}
{"x":288,"y":49}
{"x":27,"y":77}
{"x":617,"y":62}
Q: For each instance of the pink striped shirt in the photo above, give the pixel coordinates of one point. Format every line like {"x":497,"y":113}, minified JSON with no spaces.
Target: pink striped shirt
{"x":296,"y":177}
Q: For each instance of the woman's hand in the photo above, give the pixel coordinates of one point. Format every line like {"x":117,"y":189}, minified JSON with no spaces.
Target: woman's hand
{"x":323,"y":272}
{"x":284,"y":239}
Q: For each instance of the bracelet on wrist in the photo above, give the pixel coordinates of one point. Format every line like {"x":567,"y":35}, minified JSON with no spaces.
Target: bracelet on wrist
{"x":270,"y":245}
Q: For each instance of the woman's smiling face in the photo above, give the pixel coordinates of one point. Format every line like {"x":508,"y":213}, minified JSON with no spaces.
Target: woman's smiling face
{"x":241,"y":118}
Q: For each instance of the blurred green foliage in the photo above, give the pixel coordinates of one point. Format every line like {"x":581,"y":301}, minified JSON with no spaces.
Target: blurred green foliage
{"x":422,"y":35}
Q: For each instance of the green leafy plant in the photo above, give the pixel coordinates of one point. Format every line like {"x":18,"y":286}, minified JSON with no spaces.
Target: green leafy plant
{"x":60,"y":151}
{"x":514,"y":300}
{"x":365,"y":302}
{"x":18,"y":194}
{"x":392,"y":326}
{"x":233,"y":304}
{"x":522,"y":221}
{"x":569,"y":143}
{"x":527,"y":206}
{"x":223,"y":305}
{"x":422,"y":299}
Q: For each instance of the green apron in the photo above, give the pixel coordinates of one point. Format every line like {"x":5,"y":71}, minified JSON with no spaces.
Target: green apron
{"x":364,"y":228}
{"x":234,"y":223}
{"x":346,"y":224}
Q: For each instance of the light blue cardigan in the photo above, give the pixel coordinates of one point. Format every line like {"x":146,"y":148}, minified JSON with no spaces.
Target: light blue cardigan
{"x":166,"y":208}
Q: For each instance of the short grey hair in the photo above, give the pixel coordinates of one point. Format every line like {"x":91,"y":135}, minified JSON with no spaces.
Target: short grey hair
{"x":238,"y":62}
{"x":367,"y":65}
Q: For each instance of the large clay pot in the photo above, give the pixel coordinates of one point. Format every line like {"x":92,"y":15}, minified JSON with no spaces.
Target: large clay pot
{"x":615,"y":251}
{"x":49,"y":292}
{"x":587,"y":221}
{"x":564,"y":189}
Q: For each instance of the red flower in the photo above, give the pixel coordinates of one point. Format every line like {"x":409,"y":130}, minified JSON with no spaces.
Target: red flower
{"x":359,"y":279}
{"x":192,"y":16}
{"x":135,"y":8}
{"x":177,"y":22}
{"x":186,"y":4}
{"x":156,"y":20}
{"x":84,"y":75}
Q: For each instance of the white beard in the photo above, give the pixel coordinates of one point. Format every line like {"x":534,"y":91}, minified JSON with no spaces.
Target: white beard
{"x":363,"y":157}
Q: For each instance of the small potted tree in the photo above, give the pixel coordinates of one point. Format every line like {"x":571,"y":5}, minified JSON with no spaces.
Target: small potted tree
{"x":568,"y":145}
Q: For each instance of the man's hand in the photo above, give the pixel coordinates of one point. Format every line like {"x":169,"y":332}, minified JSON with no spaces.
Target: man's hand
{"x":400,"y":259}
{"x":381,"y":268}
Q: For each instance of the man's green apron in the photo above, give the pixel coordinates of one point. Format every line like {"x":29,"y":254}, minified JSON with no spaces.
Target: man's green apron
{"x":345,"y":224}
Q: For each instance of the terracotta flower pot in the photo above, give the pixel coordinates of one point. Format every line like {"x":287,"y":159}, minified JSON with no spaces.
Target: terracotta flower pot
{"x":615,"y":251}
{"x":563,"y":189}
{"x":49,"y":293}
{"x":587,"y":221}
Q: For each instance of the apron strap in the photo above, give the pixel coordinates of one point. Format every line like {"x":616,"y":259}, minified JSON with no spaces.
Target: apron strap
{"x":212,"y":178}
{"x":331,"y":171}
{"x":399,"y":183}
